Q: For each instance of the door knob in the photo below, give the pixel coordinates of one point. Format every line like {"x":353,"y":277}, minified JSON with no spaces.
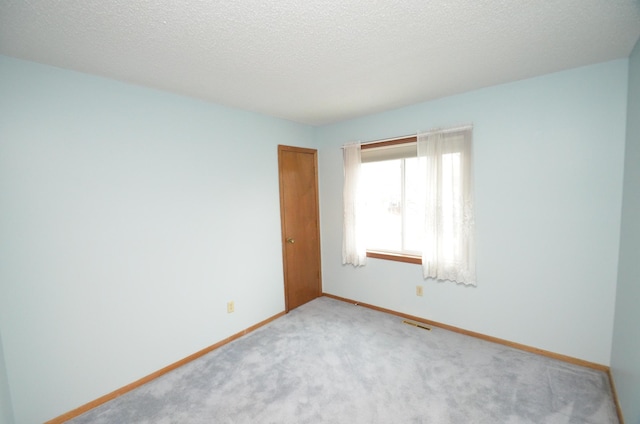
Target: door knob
{"x":290,"y":240}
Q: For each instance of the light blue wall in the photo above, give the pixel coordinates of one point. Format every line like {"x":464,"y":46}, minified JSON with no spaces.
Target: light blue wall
{"x":625,"y":357}
{"x":548,"y":178}
{"x":128,"y":218}
{"x":6,"y":409}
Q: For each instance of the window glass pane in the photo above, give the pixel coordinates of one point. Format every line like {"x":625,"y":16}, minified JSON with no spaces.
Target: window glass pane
{"x":394,"y":192}
{"x":382,"y":197}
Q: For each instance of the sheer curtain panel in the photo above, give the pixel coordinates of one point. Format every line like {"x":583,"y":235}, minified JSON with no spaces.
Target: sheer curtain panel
{"x":446,"y":164}
{"x":354,"y":250}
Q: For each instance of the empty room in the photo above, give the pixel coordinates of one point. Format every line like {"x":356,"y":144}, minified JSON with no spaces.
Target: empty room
{"x":320,"y":212}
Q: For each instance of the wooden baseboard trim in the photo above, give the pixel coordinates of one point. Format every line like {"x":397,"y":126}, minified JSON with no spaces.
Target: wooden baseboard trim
{"x":119,"y":392}
{"x":614,"y":392}
{"x":481,"y":336}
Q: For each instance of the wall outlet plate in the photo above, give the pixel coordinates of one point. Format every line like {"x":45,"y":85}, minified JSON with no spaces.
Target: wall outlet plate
{"x":419,"y":291}
{"x":230,"y":307}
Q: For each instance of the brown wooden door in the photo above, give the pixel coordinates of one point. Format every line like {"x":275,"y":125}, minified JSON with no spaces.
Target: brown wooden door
{"x":298,"y":169}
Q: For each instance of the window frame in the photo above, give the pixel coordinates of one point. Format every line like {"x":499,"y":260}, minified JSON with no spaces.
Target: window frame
{"x":392,"y":256}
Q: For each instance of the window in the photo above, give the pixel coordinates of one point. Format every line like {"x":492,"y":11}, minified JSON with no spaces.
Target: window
{"x":393,"y":200}
{"x":411,"y":200}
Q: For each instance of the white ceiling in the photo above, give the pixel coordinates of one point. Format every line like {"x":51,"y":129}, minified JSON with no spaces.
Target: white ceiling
{"x":318,"y":61}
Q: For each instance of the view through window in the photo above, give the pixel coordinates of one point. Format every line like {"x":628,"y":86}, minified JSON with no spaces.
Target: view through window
{"x":393,"y":199}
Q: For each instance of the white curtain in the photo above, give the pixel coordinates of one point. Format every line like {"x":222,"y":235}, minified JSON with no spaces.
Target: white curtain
{"x":354,"y":250}
{"x":449,"y":249}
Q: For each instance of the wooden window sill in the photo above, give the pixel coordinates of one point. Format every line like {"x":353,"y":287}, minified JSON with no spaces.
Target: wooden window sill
{"x":398,"y":257}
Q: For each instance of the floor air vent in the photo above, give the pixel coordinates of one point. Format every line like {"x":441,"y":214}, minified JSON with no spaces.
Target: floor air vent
{"x":417,"y":324}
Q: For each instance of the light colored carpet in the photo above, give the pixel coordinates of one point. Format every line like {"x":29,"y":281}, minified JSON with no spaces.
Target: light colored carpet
{"x":333,"y":362}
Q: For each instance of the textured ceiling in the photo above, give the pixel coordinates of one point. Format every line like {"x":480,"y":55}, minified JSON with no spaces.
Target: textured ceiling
{"x":319,"y":61}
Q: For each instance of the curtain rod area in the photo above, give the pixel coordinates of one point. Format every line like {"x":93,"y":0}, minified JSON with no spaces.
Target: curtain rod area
{"x":435,"y":130}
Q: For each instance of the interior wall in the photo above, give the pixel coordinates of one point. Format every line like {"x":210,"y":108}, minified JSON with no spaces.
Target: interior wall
{"x":548,"y":185}
{"x":625,"y":363}
{"x":6,"y":409}
{"x":128,"y":218}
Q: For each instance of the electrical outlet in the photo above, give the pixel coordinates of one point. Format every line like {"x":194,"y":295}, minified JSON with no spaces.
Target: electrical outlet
{"x":230,"y":307}
{"x":418,"y":290}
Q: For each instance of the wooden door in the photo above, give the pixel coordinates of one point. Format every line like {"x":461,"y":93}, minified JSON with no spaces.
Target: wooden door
{"x":299,"y":212}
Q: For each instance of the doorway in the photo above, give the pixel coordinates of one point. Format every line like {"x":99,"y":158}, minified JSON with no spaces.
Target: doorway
{"x":299,"y":214}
